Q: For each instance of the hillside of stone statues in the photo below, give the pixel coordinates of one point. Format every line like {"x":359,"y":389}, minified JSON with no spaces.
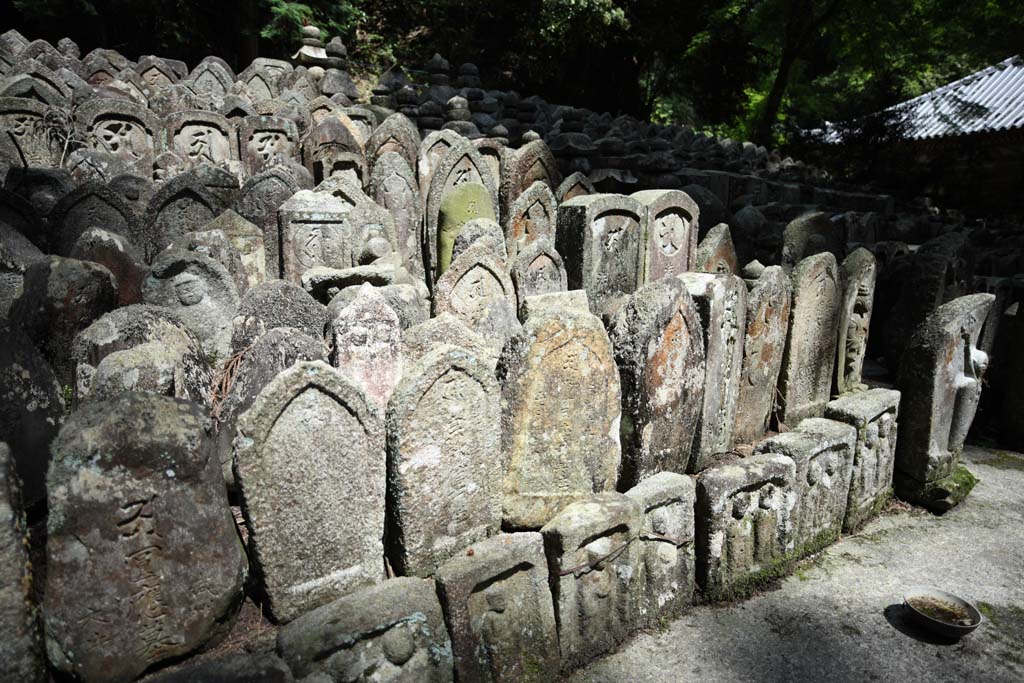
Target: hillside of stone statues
{"x":444,"y":383}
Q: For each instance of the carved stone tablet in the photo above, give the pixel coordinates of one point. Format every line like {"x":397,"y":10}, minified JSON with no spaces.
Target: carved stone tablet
{"x":478,"y":291}
{"x":859,"y":271}
{"x":444,"y":496}
{"x":666,"y":546}
{"x":498,"y":608}
{"x":309,"y":460}
{"x":940,"y":382}
{"x":745,"y":524}
{"x":143,"y":561}
{"x":672,"y":226}
{"x":593,"y":549}
{"x":394,"y":631}
{"x":721,"y":302}
{"x":367,"y":344}
{"x":823,"y":451}
{"x":768,"y":301}
{"x":805,"y":380}
{"x":560,"y":423}
{"x":873,"y":414}
{"x":659,"y":349}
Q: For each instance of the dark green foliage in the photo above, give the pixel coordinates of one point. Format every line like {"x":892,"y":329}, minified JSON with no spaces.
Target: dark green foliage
{"x":749,"y":69}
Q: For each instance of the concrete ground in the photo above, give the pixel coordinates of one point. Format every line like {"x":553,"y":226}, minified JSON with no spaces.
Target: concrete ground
{"x":840,"y":617}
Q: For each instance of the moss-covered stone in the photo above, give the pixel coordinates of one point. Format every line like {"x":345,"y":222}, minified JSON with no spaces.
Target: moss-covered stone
{"x":940,"y":495}
{"x":461,"y":205}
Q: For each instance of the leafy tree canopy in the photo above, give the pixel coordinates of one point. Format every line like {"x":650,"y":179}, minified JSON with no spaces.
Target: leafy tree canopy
{"x":750,"y":69}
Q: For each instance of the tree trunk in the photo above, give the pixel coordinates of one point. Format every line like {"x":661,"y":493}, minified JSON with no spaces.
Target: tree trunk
{"x":763,"y":131}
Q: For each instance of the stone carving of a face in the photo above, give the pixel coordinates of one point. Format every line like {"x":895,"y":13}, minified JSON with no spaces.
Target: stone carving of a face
{"x":189,"y":288}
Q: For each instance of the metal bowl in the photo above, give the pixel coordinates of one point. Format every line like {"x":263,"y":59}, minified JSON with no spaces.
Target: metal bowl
{"x":934,"y":624}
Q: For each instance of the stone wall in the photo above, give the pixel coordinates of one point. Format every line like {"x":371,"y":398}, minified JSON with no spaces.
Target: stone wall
{"x":483,"y":377}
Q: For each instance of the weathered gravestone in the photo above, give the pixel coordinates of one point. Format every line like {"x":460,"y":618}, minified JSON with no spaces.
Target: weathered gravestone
{"x":461,"y":165}
{"x":265,"y":141}
{"x":405,"y":300}
{"x":466,"y":203}
{"x":594,"y":551}
{"x":810,"y":234}
{"x":532,"y":216}
{"x":421,"y":339}
{"x":258,"y":202}
{"x":201,"y":292}
{"x":123,"y":129}
{"x":61,"y":297}
{"x":659,"y":350}
{"x":270,"y":354}
{"x":367,"y":344}
{"x":444,"y":489}
{"x":118,"y":255}
{"x":432,"y":149}
{"x":140,"y":348}
{"x":574,"y":185}
{"x":560,"y":414}
{"x":143,"y":561}
{"x":21,"y":650}
{"x":393,"y":186}
{"x":309,"y":461}
{"x":537,"y":269}
{"x":396,"y":135}
{"x":666,"y":547}
{"x":823,"y":451}
{"x":477,"y":290}
{"x":745,"y":524}
{"x":247,"y":239}
{"x":721,"y":302}
{"x":873,"y":414}
{"x":521,"y":168}
{"x":480,"y":230}
{"x":854,"y":320}
{"x":672,"y":223}
{"x":805,"y":380}
{"x":322,"y":229}
{"x":716,"y":252}
{"x":498,"y":609}
{"x":768,"y":302}
{"x":276,"y":303}
{"x":940,"y":384}
{"x":201,"y":137}
{"x":91,"y":205}
{"x":394,"y":631}
{"x":216,"y":245}
{"x":601,"y":240}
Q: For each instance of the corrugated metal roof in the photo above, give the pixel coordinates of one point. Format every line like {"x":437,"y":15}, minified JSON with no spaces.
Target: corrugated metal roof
{"x":990,"y":100}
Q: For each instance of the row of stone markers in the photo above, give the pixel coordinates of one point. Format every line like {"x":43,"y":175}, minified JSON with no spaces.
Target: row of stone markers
{"x":481,"y":421}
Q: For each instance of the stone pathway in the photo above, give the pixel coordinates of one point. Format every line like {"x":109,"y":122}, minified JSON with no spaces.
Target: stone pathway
{"x":839,"y":619}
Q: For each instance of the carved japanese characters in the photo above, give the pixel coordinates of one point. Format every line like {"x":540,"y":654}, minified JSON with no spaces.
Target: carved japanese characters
{"x":672,"y":222}
{"x":478,"y":291}
{"x":137,"y":531}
